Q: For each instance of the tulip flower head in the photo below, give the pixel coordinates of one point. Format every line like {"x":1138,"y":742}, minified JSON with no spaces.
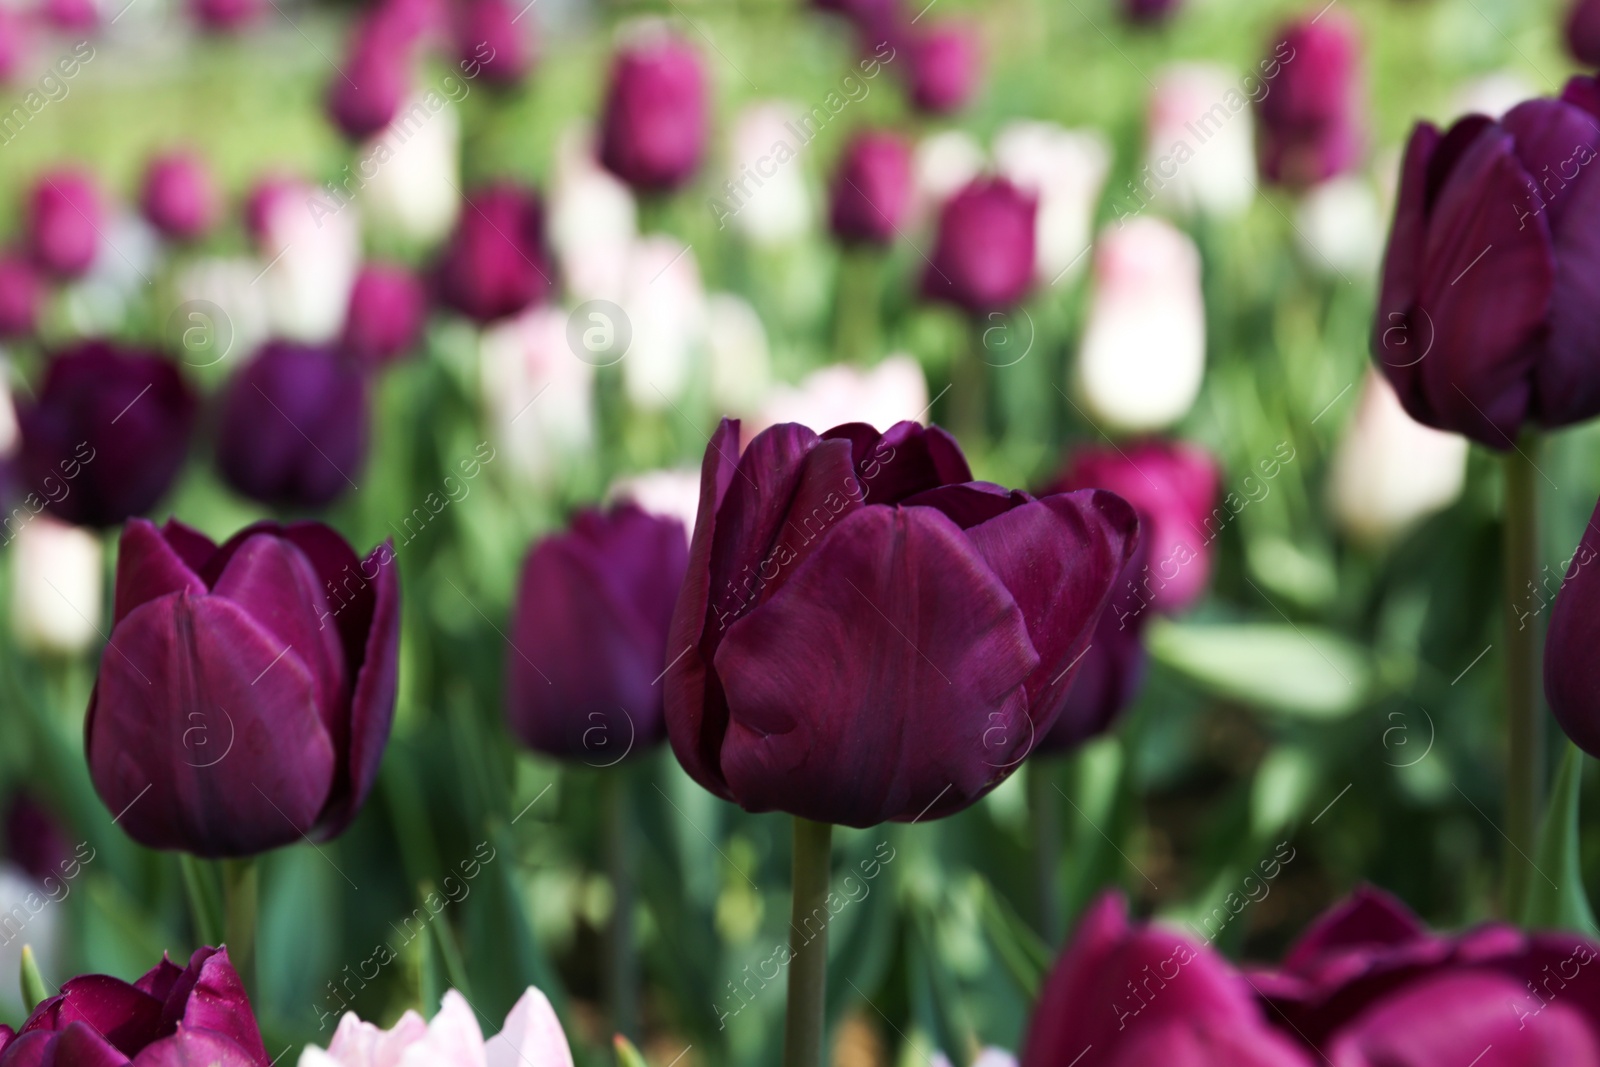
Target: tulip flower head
{"x":179,"y":197}
{"x":946,"y":65}
{"x":22,"y":293}
{"x":656,"y":119}
{"x":246,"y":697}
{"x":496,"y":263}
{"x":387,"y":308}
{"x":488,"y":35}
{"x":984,"y":257}
{"x":868,"y":634}
{"x":871,"y":194}
{"x":62,"y":222}
{"x":532,"y":1037}
{"x":1583,"y":32}
{"x":1570,"y":669}
{"x":1312,"y":122}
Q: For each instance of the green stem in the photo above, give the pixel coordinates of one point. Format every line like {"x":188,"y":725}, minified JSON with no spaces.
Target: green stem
{"x":239,"y":899}
{"x":969,"y":393}
{"x":805,"y":1021}
{"x":1046,"y":813}
{"x":205,"y":900}
{"x":1524,"y":715}
{"x":622,"y":972}
{"x":856,"y":305}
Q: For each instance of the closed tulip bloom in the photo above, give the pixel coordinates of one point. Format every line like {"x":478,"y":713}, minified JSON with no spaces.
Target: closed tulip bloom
{"x":1571,"y":672}
{"x":21,"y":294}
{"x":225,"y":16}
{"x":387,"y":309}
{"x":589,"y":635}
{"x":867,"y":634}
{"x":1312,"y":126}
{"x":107,"y":434}
{"x":871,"y":193}
{"x":488,"y":34}
{"x":417,"y":194}
{"x":1066,"y":170}
{"x":310,"y":249}
{"x":62,"y":223}
{"x":656,"y":120}
{"x":172,"y":1017}
{"x":946,"y":64}
{"x":1149,"y":12}
{"x":496,"y":264}
{"x":292,"y":430}
{"x":56,"y":583}
{"x":983,"y":259}
{"x":1126,"y":995}
{"x":531,"y":1037}
{"x":251,"y":687}
{"x":893,"y":391}
{"x":1583,"y":32}
{"x":376,"y":76}
{"x":1216,"y":176}
{"x":35,"y":839}
{"x":179,"y":197}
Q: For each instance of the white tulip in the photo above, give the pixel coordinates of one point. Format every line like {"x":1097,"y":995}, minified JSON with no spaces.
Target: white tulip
{"x":741,"y":359}
{"x":893,"y":391}
{"x":593,"y":220}
{"x":671,"y":494}
{"x":28,"y":918}
{"x":941,"y":165}
{"x":1144,"y":349}
{"x":1200,"y":145}
{"x":1066,"y":169}
{"x":56,"y":581}
{"x":415,"y":183}
{"x":1492,"y":94}
{"x":1341,"y":226}
{"x":766,"y":189}
{"x":537,"y":394}
{"x":666,"y":308}
{"x":1390,"y":471}
{"x":10,"y":434}
{"x":228,"y":314}
{"x":310,"y":255}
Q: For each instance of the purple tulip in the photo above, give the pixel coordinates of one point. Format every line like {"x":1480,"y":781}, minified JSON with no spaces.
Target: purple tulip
{"x":1312,"y":126}
{"x":1139,"y":996}
{"x":179,"y":197}
{"x":35,"y":841}
{"x":21,"y":294}
{"x":1485,"y":319}
{"x":1149,"y":12}
{"x":496,"y":263}
{"x":1583,"y":32}
{"x":62,"y":224}
{"x":656,"y":122}
{"x":71,"y":16}
{"x":292,"y":430}
{"x":1570,"y":666}
{"x":375,"y":78}
{"x":488,"y":36}
{"x":229,"y":716}
{"x":867,"y":634}
{"x":589,"y":635}
{"x":387,"y":309}
{"x":14,"y":44}
{"x":871,"y":189}
{"x":107,"y":434}
{"x":945,"y":68}
{"x":1368,"y":985}
{"x":172,"y":1017}
{"x":983,"y":259}
{"x":225,"y":16}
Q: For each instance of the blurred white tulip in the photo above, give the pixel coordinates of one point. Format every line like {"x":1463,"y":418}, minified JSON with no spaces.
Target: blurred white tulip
{"x":1066,"y":169}
{"x":741,"y":361}
{"x":1200,"y":145}
{"x":893,"y":391}
{"x":1390,"y":471}
{"x":310,"y":254}
{"x":766,"y":187}
{"x":989,"y":1057}
{"x":672,"y":494}
{"x":1492,"y":94}
{"x":10,"y":434}
{"x":593,"y":220}
{"x":942,"y":164}
{"x":1342,"y":226}
{"x":56,"y":580}
{"x":226,"y":286}
{"x":125,"y":264}
{"x":1143,"y":354}
{"x":666,"y":307}
{"x":415,"y":184}
{"x":537,"y":395}
{"x":28,"y":918}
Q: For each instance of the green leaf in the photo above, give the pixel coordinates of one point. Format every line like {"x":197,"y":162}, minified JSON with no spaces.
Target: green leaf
{"x":1024,"y":955}
{"x":1300,"y":670}
{"x":34,"y":991}
{"x":205,"y":899}
{"x":1563,"y":905}
{"x":627,"y":1055}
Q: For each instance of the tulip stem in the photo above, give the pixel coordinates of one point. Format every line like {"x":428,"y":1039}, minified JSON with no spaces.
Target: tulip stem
{"x":1046,"y":814}
{"x":808,"y":945}
{"x":856,"y":306}
{"x":969,"y":388}
{"x":1524,"y":715}
{"x":239,"y":897}
{"x":622,"y":972}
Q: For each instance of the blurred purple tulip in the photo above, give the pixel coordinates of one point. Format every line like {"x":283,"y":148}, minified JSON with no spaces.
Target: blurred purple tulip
{"x":35,"y":840}
{"x":14,"y":43}
{"x":107,"y":434}
{"x":497,"y":262}
{"x":867,"y":634}
{"x":1312,"y":125}
{"x":225,"y":16}
{"x":983,"y":259}
{"x":387,"y":309}
{"x":365,"y":95}
{"x":1571,"y":670}
{"x":179,"y":197}
{"x":248,"y":699}
{"x":1583,"y":32}
{"x":589,"y":635}
{"x":1485,"y":318}
{"x":172,"y":1017}
{"x":1149,"y":12}
{"x":1124,"y":995}
{"x":872,"y":188}
{"x":946,"y":65}
{"x":62,"y":222}
{"x":292,"y":427}
{"x":657,"y":115}
{"x":488,"y":36}
{"x":71,"y":16}
{"x":22,"y":292}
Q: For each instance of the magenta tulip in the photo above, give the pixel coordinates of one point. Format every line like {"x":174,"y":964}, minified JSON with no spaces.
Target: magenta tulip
{"x":872,"y":187}
{"x":387,"y":308}
{"x":22,"y":293}
{"x":656,"y":119}
{"x":945,"y":68}
{"x":1311,"y":122}
{"x":179,"y":197}
{"x":62,"y":223}
{"x":983,"y":260}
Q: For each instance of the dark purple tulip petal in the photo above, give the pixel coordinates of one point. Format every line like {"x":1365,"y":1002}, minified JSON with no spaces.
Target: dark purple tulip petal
{"x":1566,"y":387}
{"x":1583,"y":32}
{"x":1571,"y":668}
{"x":208,"y":997}
{"x":969,"y":504}
{"x":195,"y":1048}
{"x":906,"y":459}
{"x":983,"y":259}
{"x":150,"y":567}
{"x":809,"y":676}
{"x":126,"y":1017}
{"x":1149,"y":12}
{"x":160,"y":980}
{"x":82,"y":1046}
{"x":225,"y":16}
{"x":871,"y":191}
{"x":365,"y":96}
{"x":496,"y":263}
{"x":656,"y":120}
{"x":35,"y":840}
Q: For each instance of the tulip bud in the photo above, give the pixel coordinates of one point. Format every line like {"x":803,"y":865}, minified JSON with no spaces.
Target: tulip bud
{"x":871,"y":192}
{"x":1312,"y":126}
{"x":593,"y":220}
{"x":293,"y":427}
{"x":62,"y":221}
{"x":310,"y":255}
{"x":1481,"y":325}
{"x":984,"y":257}
{"x":21,"y":294}
{"x":892,"y":392}
{"x":799,"y":690}
{"x":1200,"y":149}
{"x":35,"y":840}
{"x":179,"y":197}
{"x":1149,"y":12}
{"x":55,"y":587}
{"x":496,"y":263}
{"x":538,"y":397}
{"x":387,"y":308}
{"x":740,"y":355}
{"x":225,"y":16}
{"x":1583,"y":32}
{"x":666,"y":308}
{"x":487,"y":34}
{"x":417,"y":193}
{"x":656,"y":117}
{"x":1143,"y":354}
{"x":364,"y":96}
{"x":945,"y":65}
{"x":106,"y":435}
{"x":1065,"y":170}
{"x":256,"y":679}
{"x":531,"y":1035}
{"x":770,"y":202}
{"x":589,"y":635}
{"x":1389,"y":471}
